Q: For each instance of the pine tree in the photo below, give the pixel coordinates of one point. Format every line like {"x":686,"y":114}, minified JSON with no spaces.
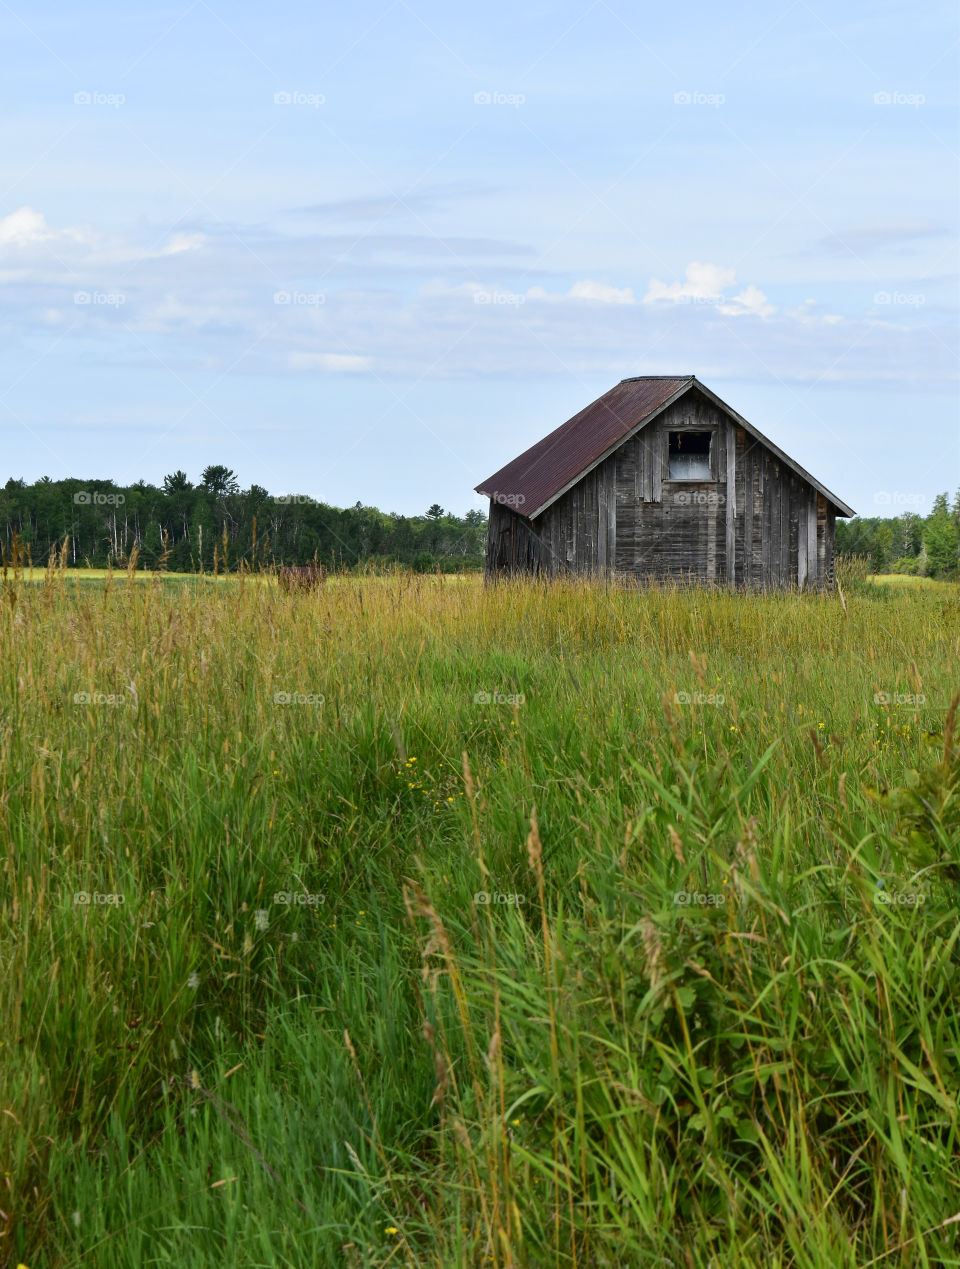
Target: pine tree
{"x":941,"y":537}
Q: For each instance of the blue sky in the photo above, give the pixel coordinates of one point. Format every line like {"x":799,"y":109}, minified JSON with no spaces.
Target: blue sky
{"x":374,"y":252}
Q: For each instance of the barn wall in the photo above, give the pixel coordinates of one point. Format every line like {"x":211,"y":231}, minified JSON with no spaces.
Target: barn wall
{"x":627,"y":517}
{"x":671,"y":528}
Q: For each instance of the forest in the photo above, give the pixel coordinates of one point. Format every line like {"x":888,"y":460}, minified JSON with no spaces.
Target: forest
{"x":925,"y":546}
{"x":214,"y":524}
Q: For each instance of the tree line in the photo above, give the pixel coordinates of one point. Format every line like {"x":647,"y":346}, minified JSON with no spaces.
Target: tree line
{"x":217,"y":525}
{"x":926,"y":546}
{"x":214,"y":524}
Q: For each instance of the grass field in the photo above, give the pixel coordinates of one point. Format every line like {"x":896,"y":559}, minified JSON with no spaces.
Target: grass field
{"x":423,"y":923}
{"x":910,"y":582}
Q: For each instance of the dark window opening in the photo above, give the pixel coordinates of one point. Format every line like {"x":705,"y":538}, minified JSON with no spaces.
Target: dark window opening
{"x":689,"y":456}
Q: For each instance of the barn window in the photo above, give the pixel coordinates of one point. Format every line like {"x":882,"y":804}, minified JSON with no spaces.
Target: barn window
{"x":689,"y":455}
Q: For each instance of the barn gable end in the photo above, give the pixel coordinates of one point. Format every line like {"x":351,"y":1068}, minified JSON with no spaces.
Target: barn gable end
{"x":672,"y":484}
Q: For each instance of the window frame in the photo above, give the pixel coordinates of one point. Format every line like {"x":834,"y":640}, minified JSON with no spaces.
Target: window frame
{"x":712,"y":455}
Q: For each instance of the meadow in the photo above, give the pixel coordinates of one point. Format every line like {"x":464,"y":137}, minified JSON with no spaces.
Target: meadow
{"x":417,"y":922}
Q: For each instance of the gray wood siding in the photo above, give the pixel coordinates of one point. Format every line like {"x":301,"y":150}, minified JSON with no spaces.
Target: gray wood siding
{"x":756,"y":523}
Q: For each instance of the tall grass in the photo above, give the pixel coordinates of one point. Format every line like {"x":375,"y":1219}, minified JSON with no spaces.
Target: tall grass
{"x":709,"y":1015}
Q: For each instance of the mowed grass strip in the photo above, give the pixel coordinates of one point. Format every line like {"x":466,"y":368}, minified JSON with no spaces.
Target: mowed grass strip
{"x":413,"y":921}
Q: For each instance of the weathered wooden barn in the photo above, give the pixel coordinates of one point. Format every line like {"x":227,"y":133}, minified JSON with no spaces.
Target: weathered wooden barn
{"x":660,"y":479}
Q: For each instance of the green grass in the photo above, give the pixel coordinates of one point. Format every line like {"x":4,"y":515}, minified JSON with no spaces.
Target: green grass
{"x":595,"y":1073}
{"x":911,"y":582}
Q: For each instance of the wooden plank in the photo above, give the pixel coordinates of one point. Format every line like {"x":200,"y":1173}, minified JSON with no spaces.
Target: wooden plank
{"x":772,"y":520}
{"x":647,"y":437}
{"x":601,"y":525}
{"x":802,"y":546}
{"x":731,"y":503}
{"x":587,"y":555}
{"x":813,"y":569}
{"x":746,"y":515}
{"x":572,"y":539}
{"x":648,"y":528}
{"x":760,"y":507}
{"x":709,"y":511}
{"x":741,"y":562}
{"x":656,"y":473}
{"x":771,"y":514}
{"x":612,"y":518}
{"x":828,"y":576}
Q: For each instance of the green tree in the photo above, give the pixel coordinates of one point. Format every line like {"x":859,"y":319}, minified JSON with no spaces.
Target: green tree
{"x":881,"y":549}
{"x":909,"y":535}
{"x":177,"y":483}
{"x":218,"y":481}
{"x":941,"y":538}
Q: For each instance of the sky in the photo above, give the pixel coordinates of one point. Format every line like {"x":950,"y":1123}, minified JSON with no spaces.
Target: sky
{"x":372,"y":252}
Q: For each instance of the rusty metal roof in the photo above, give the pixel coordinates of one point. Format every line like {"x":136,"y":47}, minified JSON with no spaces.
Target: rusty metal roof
{"x":547,"y":469}
{"x":539,"y":473}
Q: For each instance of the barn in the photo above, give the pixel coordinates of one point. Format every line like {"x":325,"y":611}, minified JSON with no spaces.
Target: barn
{"x":659,"y":479}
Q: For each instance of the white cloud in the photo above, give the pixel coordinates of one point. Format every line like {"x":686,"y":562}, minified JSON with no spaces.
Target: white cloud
{"x":805,"y":315}
{"x":708,"y":284}
{"x":24,"y":227}
{"x":703,"y":282}
{"x":201,"y":308}
{"x":599,"y":292}
{"x":183,"y":242}
{"x":588,"y":290}
{"x":28,"y":228}
{"x":750,"y":300}
{"x":328,"y":361}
